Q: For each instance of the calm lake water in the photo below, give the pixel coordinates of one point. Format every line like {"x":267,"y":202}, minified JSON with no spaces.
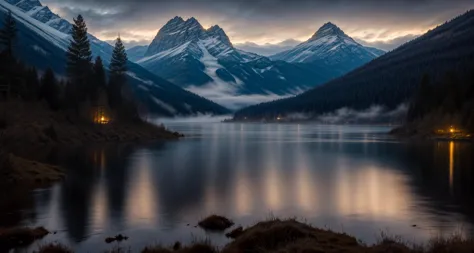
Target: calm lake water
{"x":354,"y":179}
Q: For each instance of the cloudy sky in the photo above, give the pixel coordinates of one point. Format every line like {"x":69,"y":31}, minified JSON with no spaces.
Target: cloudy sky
{"x":384,"y":24}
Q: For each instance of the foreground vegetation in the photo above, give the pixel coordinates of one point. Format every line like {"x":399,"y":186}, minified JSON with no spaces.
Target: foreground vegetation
{"x":290,"y":235}
{"x":90,"y":105}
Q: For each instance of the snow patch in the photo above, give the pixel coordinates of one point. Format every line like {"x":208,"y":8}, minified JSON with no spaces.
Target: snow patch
{"x":52,"y":35}
{"x":147,"y":82}
{"x":164,"y":105}
{"x":167,"y":53}
{"x":39,"y":49}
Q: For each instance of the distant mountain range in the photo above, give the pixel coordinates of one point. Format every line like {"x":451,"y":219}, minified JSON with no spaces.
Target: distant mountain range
{"x":43,"y":40}
{"x":330,"y":49}
{"x":268,"y":49}
{"x":386,"y":81}
{"x":204,"y":61}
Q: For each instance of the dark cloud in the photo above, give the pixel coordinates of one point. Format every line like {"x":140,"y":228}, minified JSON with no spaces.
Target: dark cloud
{"x":264,"y":21}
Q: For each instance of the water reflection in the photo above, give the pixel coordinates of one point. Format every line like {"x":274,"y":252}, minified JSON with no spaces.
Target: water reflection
{"x":451,"y":165}
{"x":353,"y":177}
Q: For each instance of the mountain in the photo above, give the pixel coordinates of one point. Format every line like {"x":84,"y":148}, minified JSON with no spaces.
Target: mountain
{"x":43,"y":40}
{"x":205,"y":61}
{"x":137,"y":52}
{"x":330,"y":49}
{"x":268,"y":49}
{"x":388,"y":80}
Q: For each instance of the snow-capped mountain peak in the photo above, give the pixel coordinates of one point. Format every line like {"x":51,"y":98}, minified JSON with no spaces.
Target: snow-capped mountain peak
{"x":174,"y":33}
{"x":43,"y":39}
{"x":328,"y":29}
{"x":329,"y":47}
{"x":36,"y":10}
{"x":219,"y":33}
{"x":205,"y":62}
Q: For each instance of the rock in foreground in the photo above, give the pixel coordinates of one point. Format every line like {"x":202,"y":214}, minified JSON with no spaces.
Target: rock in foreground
{"x":216,"y":223}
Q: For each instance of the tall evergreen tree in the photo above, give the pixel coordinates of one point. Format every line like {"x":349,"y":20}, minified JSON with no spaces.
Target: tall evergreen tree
{"x":99,"y":72}
{"x":422,"y":100}
{"x":99,"y":78}
{"x":8,"y":33}
{"x":49,"y":89}
{"x":79,"y":56}
{"x":118,"y":68}
{"x":32,"y":84}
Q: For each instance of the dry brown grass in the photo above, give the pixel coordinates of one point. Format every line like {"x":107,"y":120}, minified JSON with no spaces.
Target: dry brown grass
{"x":216,"y":222}
{"x":54,"y":248}
{"x":235,"y":233}
{"x":291,"y":236}
{"x":283,"y":236}
{"x":196,"y":247}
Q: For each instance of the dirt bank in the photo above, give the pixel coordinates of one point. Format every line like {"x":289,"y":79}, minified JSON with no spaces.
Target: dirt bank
{"x":27,"y":127}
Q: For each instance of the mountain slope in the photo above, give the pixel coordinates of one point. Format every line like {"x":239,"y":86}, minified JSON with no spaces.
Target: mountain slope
{"x":205,"y":61}
{"x":42,"y":43}
{"x":388,"y":80}
{"x":137,"y":52}
{"x":268,"y":49}
{"x":331,"y":49}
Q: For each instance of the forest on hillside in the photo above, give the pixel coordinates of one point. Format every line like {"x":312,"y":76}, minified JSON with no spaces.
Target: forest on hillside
{"x":389,"y":80}
{"x":443,"y":104}
{"x":86,"y":87}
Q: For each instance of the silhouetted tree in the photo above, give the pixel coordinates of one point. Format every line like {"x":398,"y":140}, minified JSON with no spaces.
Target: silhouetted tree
{"x":79,"y":58}
{"x":99,"y":78}
{"x":8,"y":33}
{"x":49,"y":89}
{"x":32,"y":84}
{"x":422,"y":100}
{"x":118,"y":78}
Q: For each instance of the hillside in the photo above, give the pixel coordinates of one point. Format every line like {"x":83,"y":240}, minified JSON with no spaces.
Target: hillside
{"x":42,"y":44}
{"x":388,"y":80}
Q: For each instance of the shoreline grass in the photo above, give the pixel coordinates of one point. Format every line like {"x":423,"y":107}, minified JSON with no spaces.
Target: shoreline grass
{"x":291,"y":235}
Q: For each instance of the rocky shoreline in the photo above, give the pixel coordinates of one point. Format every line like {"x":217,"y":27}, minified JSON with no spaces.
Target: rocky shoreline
{"x":285,"y":235}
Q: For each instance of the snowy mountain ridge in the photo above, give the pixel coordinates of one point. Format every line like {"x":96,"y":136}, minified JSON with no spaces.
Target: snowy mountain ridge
{"x":331,"y":48}
{"x":42,"y":44}
{"x":36,"y":10}
{"x":204,"y":61}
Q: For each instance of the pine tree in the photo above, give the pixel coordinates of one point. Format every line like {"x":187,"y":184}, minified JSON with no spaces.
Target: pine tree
{"x":79,"y":58}
{"x":422,"y":100}
{"x":99,"y":78}
{"x":118,"y":68}
{"x":49,"y":89}
{"x":32,"y":84}
{"x":99,"y":72}
{"x":118,"y":63}
{"x":8,"y":33}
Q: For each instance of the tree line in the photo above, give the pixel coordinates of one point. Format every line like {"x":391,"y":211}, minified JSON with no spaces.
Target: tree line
{"x":389,"y":80}
{"x":444,"y":102}
{"x":87,"y":81}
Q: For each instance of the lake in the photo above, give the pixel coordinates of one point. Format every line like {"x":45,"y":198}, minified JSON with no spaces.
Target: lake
{"x":353,"y":179}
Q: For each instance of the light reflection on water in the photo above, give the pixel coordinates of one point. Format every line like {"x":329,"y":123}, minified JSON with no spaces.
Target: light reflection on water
{"x":350,"y":178}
